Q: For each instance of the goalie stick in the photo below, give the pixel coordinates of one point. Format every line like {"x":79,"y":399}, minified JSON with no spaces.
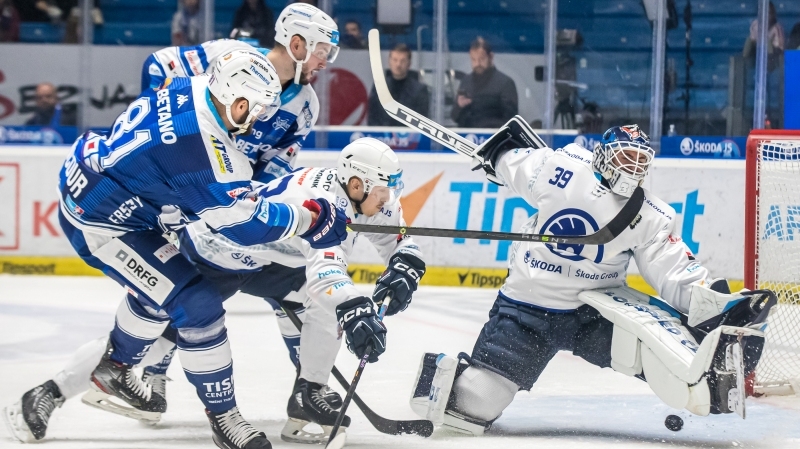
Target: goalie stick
{"x":627,"y":215}
{"x":389,"y":426}
{"x":450,"y":139}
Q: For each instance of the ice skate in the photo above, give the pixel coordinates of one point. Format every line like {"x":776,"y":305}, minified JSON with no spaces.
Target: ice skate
{"x":27,"y":418}
{"x":328,"y":394}
{"x":231,"y":431}
{"x":117,"y":389}
{"x":308,"y":406}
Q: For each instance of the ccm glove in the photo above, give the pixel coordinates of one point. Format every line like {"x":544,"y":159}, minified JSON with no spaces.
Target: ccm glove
{"x":362,"y":327}
{"x":400,"y":280}
{"x":330,"y":229}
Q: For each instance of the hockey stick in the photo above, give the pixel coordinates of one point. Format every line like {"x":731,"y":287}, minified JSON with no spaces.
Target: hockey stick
{"x":338,"y":443}
{"x":626,"y":216}
{"x":415,"y":120}
{"x":389,"y":426}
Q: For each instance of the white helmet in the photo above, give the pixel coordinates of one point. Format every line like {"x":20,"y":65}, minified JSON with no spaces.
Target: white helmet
{"x":375,"y":164}
{"x":246,"y":74}
{"x":317,"y":28}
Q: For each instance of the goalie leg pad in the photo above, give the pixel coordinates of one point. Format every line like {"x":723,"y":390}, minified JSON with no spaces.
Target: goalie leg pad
{"x":482,"y":394}
{"x":432,"y":387}
{"x":678,"y":370}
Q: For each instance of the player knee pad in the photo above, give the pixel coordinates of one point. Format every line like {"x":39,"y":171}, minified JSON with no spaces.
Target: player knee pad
{"x":649,"y":339}
{"x":201,"y":336}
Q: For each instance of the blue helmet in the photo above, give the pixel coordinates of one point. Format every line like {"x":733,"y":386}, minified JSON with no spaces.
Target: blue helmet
{"x":623,"y":158}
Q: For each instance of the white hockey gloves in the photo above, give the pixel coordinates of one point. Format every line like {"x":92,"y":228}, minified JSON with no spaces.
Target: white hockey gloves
{"x":514,"y":134}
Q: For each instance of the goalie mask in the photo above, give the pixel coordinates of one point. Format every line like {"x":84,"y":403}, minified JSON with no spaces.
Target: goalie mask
{"x":623,"y":158}
{"x":376,"y":165}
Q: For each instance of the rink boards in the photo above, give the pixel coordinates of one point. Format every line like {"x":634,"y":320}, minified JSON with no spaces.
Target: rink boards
{"x":440,"y":191}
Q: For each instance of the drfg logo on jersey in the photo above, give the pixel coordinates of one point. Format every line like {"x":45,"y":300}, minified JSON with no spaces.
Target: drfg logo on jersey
{"x":137,"y":269}
{"x":131,"y":266}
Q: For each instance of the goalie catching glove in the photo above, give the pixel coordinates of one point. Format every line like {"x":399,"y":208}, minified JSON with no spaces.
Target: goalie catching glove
{"x":401,"y":280}
{"x":362,"y":328}
{"x":514,"y":134}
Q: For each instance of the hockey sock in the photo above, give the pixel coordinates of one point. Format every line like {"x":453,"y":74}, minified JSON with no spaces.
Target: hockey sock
{"x":208,"y":365}
{"x":136,"y":328}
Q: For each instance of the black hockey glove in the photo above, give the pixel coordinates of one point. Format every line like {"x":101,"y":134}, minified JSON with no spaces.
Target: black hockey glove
{"x":401,"y":280}
{"x":330,"y":229}
{"x":362,"y":328}
{"x":516,"y":133}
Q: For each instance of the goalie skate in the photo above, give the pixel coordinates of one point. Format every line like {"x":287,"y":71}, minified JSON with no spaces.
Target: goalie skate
{"x":311,"y":418}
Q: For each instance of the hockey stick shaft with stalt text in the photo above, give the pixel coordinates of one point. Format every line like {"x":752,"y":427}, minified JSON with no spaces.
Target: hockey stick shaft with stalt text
{"x":389,"y":426}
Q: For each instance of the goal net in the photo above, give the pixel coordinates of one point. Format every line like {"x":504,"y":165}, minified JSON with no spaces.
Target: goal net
{"x":772,"y":251}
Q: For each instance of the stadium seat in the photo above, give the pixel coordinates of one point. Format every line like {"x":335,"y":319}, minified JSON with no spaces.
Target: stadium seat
{"x":133,"y":34}
{"x":40,"y":32}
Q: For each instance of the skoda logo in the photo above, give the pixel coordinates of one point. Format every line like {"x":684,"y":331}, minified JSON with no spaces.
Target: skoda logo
{"x":573,"y":222}
{"x":582,"y":141}
{"x":686,"y":146}
{"x":355,"y":136}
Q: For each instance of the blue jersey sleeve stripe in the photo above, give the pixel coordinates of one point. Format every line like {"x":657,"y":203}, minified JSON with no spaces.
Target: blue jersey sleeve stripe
{"x":201,"y":52}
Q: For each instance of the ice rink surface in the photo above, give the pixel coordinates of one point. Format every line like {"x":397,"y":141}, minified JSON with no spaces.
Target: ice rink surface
{"x":573,"y":405}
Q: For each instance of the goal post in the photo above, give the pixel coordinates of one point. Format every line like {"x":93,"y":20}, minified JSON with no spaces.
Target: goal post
{"x":772,"y":251}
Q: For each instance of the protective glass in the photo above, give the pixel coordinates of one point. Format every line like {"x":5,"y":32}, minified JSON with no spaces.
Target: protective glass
{"x":264,"y":112}
{"x":388,"y":195}
{"x":325,"y":51}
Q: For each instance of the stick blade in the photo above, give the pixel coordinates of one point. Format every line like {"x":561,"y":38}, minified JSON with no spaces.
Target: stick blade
{"x":338,"y":441}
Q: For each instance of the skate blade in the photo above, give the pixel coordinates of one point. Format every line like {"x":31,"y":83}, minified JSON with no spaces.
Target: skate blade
{"x":338,"y":441}
{"x":104,"y":401}
{"x":17,"y":427}
{"x":294,"y":432}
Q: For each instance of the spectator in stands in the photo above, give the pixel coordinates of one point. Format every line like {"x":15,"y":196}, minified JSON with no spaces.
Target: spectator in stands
{"x":352,"y":37}
{"x":48,"y":111}
{"x":404,"y":86}
{"x":186,"y":23}
{"x":487,"y":98}
{"x":775,"y":37}
{"x":256,"y":16}
{"x":9,"y":22}
{"x":38,"y":10}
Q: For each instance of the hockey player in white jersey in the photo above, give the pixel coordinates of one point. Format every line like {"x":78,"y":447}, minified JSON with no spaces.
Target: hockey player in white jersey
{"x":574,"y":298}
{"x":366,"y":184}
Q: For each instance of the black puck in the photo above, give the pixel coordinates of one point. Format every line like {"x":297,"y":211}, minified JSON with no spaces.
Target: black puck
{"x":674,"y":423}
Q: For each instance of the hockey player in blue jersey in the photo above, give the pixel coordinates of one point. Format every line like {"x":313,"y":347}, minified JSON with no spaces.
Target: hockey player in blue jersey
{"x":170,"y":160}
{"x":306,"y":40}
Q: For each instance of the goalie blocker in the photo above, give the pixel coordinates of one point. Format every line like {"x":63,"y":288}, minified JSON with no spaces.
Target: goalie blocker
{"x":696,"y":362}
